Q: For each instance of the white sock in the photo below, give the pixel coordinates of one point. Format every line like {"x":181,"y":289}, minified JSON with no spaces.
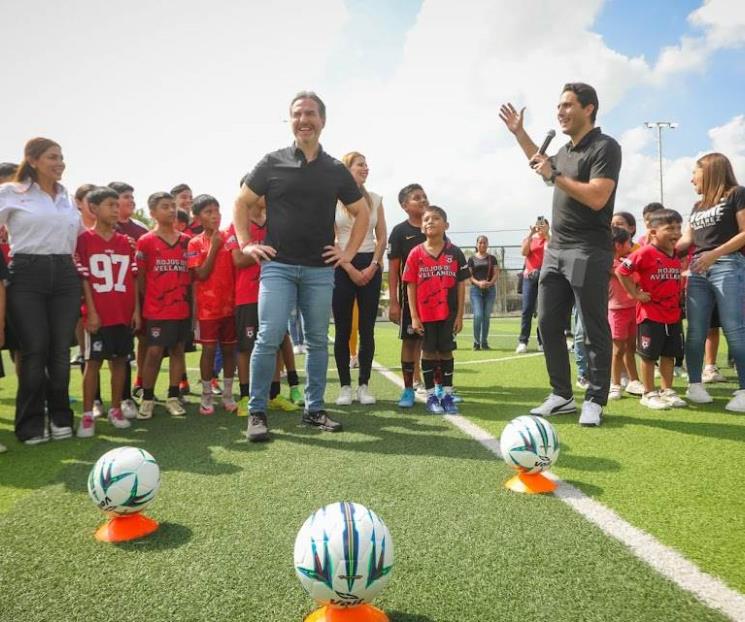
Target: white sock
{"x":206,"y":386}
{"x":227,"y":387}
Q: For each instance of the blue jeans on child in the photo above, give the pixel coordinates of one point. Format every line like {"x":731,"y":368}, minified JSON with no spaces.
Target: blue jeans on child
{"x":723,"y":284}
{"x":284,"y":287}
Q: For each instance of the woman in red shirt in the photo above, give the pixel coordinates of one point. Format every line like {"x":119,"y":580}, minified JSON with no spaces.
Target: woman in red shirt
{"x":532,"y":249}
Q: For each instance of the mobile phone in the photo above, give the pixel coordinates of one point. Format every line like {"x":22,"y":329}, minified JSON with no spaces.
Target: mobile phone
{"x":540,"y":221}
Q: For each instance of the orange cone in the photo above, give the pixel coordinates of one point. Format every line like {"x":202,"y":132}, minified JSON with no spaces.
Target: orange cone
{"x":360,"y":613}
{"x":126,"y":527}
{"x":532,"y":484}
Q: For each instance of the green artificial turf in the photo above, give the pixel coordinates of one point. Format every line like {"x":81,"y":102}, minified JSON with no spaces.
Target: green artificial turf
{"x":466,"y":549}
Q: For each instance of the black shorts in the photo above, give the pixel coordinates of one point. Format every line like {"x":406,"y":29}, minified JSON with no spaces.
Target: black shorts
{"x":405,"y":329}
{"x":110,"y":342}
{"x":246,"y":325}
{"x":438,"y":336}
{"x":654,"y":340}
{"x":167,"y":333}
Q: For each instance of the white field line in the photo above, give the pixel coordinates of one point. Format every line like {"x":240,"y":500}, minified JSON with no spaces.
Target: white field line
{"x":665,"y":560}
{"x":504,"y":358}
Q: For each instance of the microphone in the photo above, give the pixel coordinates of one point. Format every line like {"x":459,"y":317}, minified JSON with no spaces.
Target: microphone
{"x":547,"y":141}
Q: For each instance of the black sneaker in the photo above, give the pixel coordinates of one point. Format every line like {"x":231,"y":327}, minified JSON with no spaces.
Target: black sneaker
{"x":322,"y":421}
{"x":476,"y":347}
{"x":258,"y":430}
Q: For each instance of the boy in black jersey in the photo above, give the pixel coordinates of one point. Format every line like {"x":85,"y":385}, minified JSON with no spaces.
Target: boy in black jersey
{"x":435,"y":275}
{"x":403,"y":238}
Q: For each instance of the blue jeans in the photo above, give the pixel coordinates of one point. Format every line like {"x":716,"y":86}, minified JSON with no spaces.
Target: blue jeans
{"x":295,"y":326}
{"x":529,"y":302}
{"x":723,"y":284}
{"x":482,"y":301}
{"x":282,"y":288}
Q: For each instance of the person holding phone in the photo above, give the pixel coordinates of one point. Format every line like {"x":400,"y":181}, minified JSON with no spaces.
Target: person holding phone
{"x":532,"y":248}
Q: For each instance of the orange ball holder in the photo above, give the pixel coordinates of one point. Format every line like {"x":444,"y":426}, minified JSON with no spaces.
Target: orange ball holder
{"x":126,"y":527}
{"x":360,"y":613}
{"x":531,"y":484}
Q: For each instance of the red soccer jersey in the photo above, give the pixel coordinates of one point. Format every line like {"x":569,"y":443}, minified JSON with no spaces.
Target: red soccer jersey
{"x":110,"y":268}
{"x":167,"y":278}
{"x":659,"y":276}
{"x":247,"y":279}
{"x":216,"y":294}
{"x":437,"y":279}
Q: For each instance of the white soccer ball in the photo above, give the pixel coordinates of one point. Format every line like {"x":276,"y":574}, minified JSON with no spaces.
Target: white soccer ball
{"x":124,"y":480}
{"x":343,"y":555}
{"x":529,"y":444}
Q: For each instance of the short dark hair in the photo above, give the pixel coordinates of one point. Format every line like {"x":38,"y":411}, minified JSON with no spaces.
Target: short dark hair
{"x":99,"y":194}
{"x":157,"y":197}
{"x":179,"y":188}
{"x":437,"y":210}
{"x":664,"y":217}
{"x":83,"y":191}
{"x":649,"y":208}
{"x":620,"y":236}
{"x":310,"y":95}
{"x":8,"y":169}
{"x":628,"y":217}
{"x":202,"y":201}
{"x":586,"y":95}
{"x":404,"y":193}
{"x":120,"y":187}
{"x":182,"y":216}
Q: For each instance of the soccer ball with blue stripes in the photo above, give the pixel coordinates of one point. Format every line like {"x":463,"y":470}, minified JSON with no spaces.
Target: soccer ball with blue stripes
{"x":343,"y":555}
{"x":529,"y":444}
{"x":124,"y":480}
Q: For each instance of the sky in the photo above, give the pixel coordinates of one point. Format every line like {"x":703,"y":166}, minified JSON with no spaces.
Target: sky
{"x":157,"y":93}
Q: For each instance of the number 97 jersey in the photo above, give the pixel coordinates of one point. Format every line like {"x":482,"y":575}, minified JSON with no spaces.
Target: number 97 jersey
{"x":110,"y":268}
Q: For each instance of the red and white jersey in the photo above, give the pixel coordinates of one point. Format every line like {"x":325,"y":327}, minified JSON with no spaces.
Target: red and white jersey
{"x":437,"y":280}
{"x":659,"y":275}
{"x":167,"y":278}
{"x":247,"y":279}
{"x":110,"y":268}
{"x":216,"y":294}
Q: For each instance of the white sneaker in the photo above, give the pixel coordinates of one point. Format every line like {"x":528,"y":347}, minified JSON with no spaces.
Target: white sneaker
{"x":364,"y":396}
{"x":654,"y":401}
{"x":61,"y":433}
{"x":3,"y":448}
{"x":555,"y":405}
{"x":635,"y":387}
{"x":624,"y":380}
{"x":616,"y":392}
{"x":672,"y":398}
{"x":174,"y":407}
{"x":345,"y":396}
{"x":591,"y":414}
{"x":146,"y":409}
{"x":98,"y":410}
{"x":206,"y":406}
{"x":86,"y":427}
{"x":737,"y":403}
{"x":697,"y":394}
{"x":129,"y":409}
{"x":570,"y":344}
{"x":711,"y":374}
{"x":117,"y":419}
{"x":522,"y":348}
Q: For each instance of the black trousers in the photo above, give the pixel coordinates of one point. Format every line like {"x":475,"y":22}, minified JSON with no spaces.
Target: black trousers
{"x":576,"y":276}
{"x":342,"y":304}
{"x":44,"y":306}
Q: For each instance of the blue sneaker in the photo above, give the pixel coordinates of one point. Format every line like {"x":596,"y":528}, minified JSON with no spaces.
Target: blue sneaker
{"x":439,"y":391}
{"x":448,"y":405}
{"x":407,"y":398}
{"x":433,"y":405}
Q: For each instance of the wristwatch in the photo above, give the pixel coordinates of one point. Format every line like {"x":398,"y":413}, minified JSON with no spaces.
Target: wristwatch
{"x":554,"y":174}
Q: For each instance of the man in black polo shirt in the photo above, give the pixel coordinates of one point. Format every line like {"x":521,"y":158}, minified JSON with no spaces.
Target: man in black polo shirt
{"x":577,"y":263}
{"x":298,"y":187}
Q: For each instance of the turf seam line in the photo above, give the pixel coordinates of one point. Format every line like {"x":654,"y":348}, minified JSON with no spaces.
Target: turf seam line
{"x":663,"y":559}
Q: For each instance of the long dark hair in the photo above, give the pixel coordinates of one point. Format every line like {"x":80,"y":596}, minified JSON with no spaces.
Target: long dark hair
{"x":34,"y":149}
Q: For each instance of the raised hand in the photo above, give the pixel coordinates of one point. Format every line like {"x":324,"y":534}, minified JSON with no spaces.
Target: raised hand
{"x":511,"y":117}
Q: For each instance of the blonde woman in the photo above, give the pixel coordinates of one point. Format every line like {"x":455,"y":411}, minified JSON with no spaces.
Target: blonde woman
{"x":358,"y":280}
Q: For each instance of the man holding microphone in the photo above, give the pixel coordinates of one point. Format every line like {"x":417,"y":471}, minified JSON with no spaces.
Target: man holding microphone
{"x":578,"y":258}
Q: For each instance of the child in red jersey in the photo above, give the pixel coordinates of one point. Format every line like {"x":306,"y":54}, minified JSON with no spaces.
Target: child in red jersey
{"x":211,"y":264}
{"x":164,"y":282}
{"x":106,"y":261}
{"x":435,"y":275}
{"x":659,"y":330}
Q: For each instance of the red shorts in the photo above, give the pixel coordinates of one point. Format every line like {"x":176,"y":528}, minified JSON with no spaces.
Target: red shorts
{"x":214,"y":331}
{"x":622,"y":323}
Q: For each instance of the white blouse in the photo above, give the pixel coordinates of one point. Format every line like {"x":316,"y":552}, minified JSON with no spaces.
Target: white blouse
{"x":37,"y":223}
{"x":345,"y":221}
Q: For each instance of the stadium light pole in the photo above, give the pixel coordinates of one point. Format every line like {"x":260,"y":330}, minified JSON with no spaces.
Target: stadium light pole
{"x":659,"y":125}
